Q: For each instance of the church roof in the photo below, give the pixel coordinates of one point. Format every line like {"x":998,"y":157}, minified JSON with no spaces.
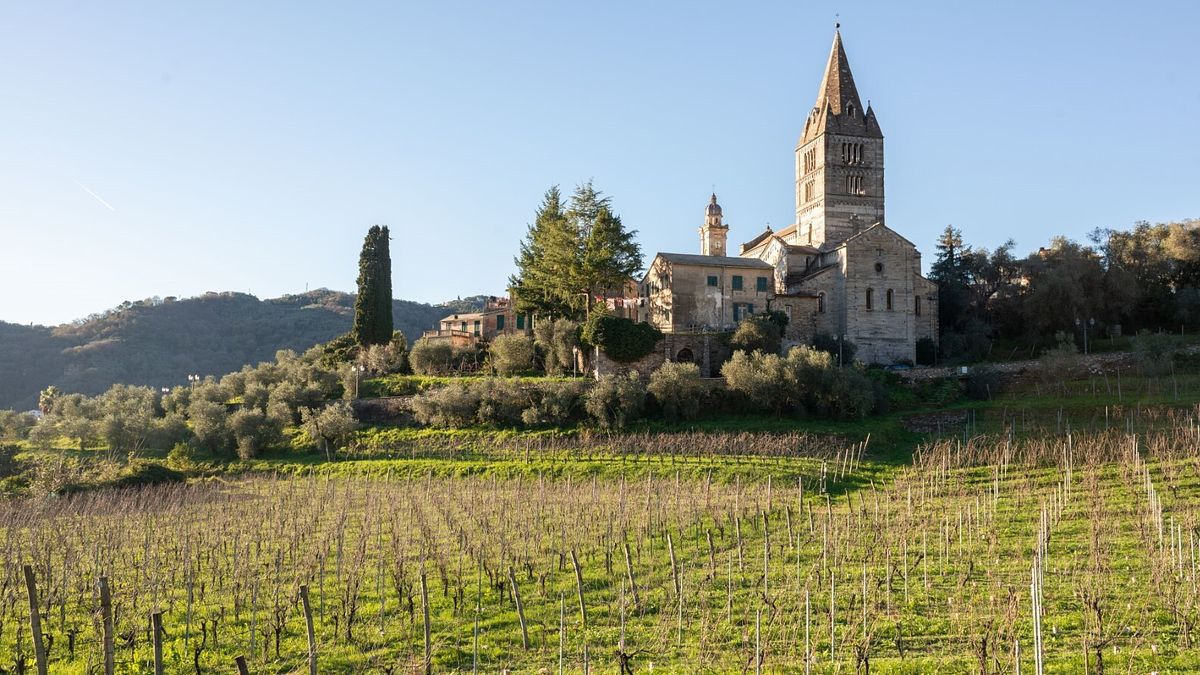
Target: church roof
{"x":838,"y":108}
{"x":802,"y":248}
{"x":879,"y":226}
{"x":713,"y":260}
{"x":757,"y":240}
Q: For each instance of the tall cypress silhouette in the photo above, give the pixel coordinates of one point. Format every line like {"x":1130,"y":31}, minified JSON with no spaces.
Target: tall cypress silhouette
{"x":373,"y":307}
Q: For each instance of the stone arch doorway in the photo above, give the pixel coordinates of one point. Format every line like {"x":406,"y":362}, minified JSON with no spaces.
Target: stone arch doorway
{"x":685,"y":355}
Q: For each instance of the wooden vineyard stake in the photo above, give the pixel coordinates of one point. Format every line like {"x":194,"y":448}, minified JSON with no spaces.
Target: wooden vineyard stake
{"x":35,"y":621}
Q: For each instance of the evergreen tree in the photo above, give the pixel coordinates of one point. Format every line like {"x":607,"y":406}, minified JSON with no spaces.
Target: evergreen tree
{"x":949,"y":271}
{"x":547,"y":261}
{"x":373,"y":306}
{"x":572,"y":253}
{"x":610,"y":255}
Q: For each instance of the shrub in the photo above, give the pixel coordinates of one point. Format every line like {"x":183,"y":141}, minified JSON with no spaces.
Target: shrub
{"x":616,"y":400}
{"x":806,"y":380}
{"x":501,"y":402}
{"x":926,"y":352}
{"x":983,"y":383}
{"x":764,"y":379}
{"x":454,"y":405}
{"x":15,"y":426}
{"x":332,"y":425}
{"x":141,"y":473}
{"x":252,"y":431}
{"x":431,"y":357}
{"x":557,"y":340}
{"x":829,"y":344}
{"x":9,"y":464}
{"x":386,"y":358}
{"x":1060,"y":362}
{"x":621,"y":339}
{"x":183,"y":455}
{"x":210,"y":424}
{"x":402,"y":385}
{"x":678,"y":389}
{"x":1153,"y":352}
{"x":555,"y":404}
{"x":511,"y":354}
{"x":758,"y":333}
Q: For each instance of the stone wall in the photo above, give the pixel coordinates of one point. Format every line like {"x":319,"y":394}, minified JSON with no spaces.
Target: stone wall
{"x":706,"y":350}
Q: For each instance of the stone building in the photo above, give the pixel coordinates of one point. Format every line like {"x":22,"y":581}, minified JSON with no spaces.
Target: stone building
{"x":497,"y":318}
{"x":839,"y":269}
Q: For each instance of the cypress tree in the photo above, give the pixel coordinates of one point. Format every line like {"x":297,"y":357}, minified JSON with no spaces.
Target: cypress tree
{"x":373,"y":306}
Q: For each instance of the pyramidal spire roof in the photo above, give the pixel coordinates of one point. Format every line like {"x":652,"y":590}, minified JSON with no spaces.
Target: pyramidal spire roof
{"x":838,"y":106}
{"x":837,"y":87}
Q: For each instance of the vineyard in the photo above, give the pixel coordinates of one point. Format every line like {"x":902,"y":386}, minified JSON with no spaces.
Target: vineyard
{"x":1057,"y":553}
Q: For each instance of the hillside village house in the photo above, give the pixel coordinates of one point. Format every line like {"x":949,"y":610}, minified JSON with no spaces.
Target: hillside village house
{"x":497,"y":318}
{"x":837,"y":270}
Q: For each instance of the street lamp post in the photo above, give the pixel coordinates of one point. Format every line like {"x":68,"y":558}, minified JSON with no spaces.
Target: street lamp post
{"x":193,"y":380}
{"x":358,"y":371}
{"x":1079,"y":323}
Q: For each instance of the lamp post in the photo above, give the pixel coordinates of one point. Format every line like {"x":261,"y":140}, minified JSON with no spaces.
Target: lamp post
{"x":193,"y":380}
{"x":358,"y":371}
{"x":1079,"y":323}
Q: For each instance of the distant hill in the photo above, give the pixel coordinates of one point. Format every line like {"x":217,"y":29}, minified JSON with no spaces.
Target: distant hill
{"x":158,"y":342}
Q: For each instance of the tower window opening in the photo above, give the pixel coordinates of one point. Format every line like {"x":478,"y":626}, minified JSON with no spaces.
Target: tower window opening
{"x":810,"y":160}
{"x":821,"y":303}
{"x":889,"y":299}
{"x":870,"y":298}
{"x":917,"y":305}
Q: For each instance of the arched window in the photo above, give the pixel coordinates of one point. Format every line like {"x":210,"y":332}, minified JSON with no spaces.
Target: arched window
{"x":820,"y":303}
{"x":917,"y":305}
{"x":889,"y":299}
{"x":870,"y":298}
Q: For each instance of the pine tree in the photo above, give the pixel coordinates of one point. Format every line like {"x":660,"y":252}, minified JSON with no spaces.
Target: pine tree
{"x":373,"y":306}
{"x":610,"y":255}
{"x":949,"y":271}
{"x":572,"y":253}
{"x":546,"y":261}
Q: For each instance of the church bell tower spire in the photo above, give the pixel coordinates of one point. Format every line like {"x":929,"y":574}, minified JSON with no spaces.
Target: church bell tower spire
{"x":839,"y":159}
{"x":713,"y":233}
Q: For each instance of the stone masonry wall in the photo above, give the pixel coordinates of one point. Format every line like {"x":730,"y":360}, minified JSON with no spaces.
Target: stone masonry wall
{"x":706,"y":350}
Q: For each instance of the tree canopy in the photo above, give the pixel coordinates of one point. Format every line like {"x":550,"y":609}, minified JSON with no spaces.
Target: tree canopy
{"x":373,"y":306}
{"x":1147,"y":277}
{"x":574,"y":251}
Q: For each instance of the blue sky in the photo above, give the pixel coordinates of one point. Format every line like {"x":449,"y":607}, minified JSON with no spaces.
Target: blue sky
{"x":175,"y":148}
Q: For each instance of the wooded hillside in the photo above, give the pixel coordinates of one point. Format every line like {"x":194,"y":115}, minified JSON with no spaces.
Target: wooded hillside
{"x":160,"y":342}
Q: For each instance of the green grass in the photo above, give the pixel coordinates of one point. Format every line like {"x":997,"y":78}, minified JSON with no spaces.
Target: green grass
{"x":945,"y":549}
{"x":946,"y":557}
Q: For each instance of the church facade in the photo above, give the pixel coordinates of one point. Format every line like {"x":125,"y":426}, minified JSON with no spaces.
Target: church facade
{"x":838,"y":269}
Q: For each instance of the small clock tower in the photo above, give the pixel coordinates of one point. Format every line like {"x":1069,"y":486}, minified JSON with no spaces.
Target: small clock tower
{"x":713,"y":234}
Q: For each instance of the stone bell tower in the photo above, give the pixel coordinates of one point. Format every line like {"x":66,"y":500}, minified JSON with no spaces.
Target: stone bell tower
{"x":713,"y":234}
{"x":839,"y":160}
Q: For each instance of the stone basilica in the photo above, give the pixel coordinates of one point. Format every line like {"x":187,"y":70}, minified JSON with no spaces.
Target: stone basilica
{"x":838,"y":269}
